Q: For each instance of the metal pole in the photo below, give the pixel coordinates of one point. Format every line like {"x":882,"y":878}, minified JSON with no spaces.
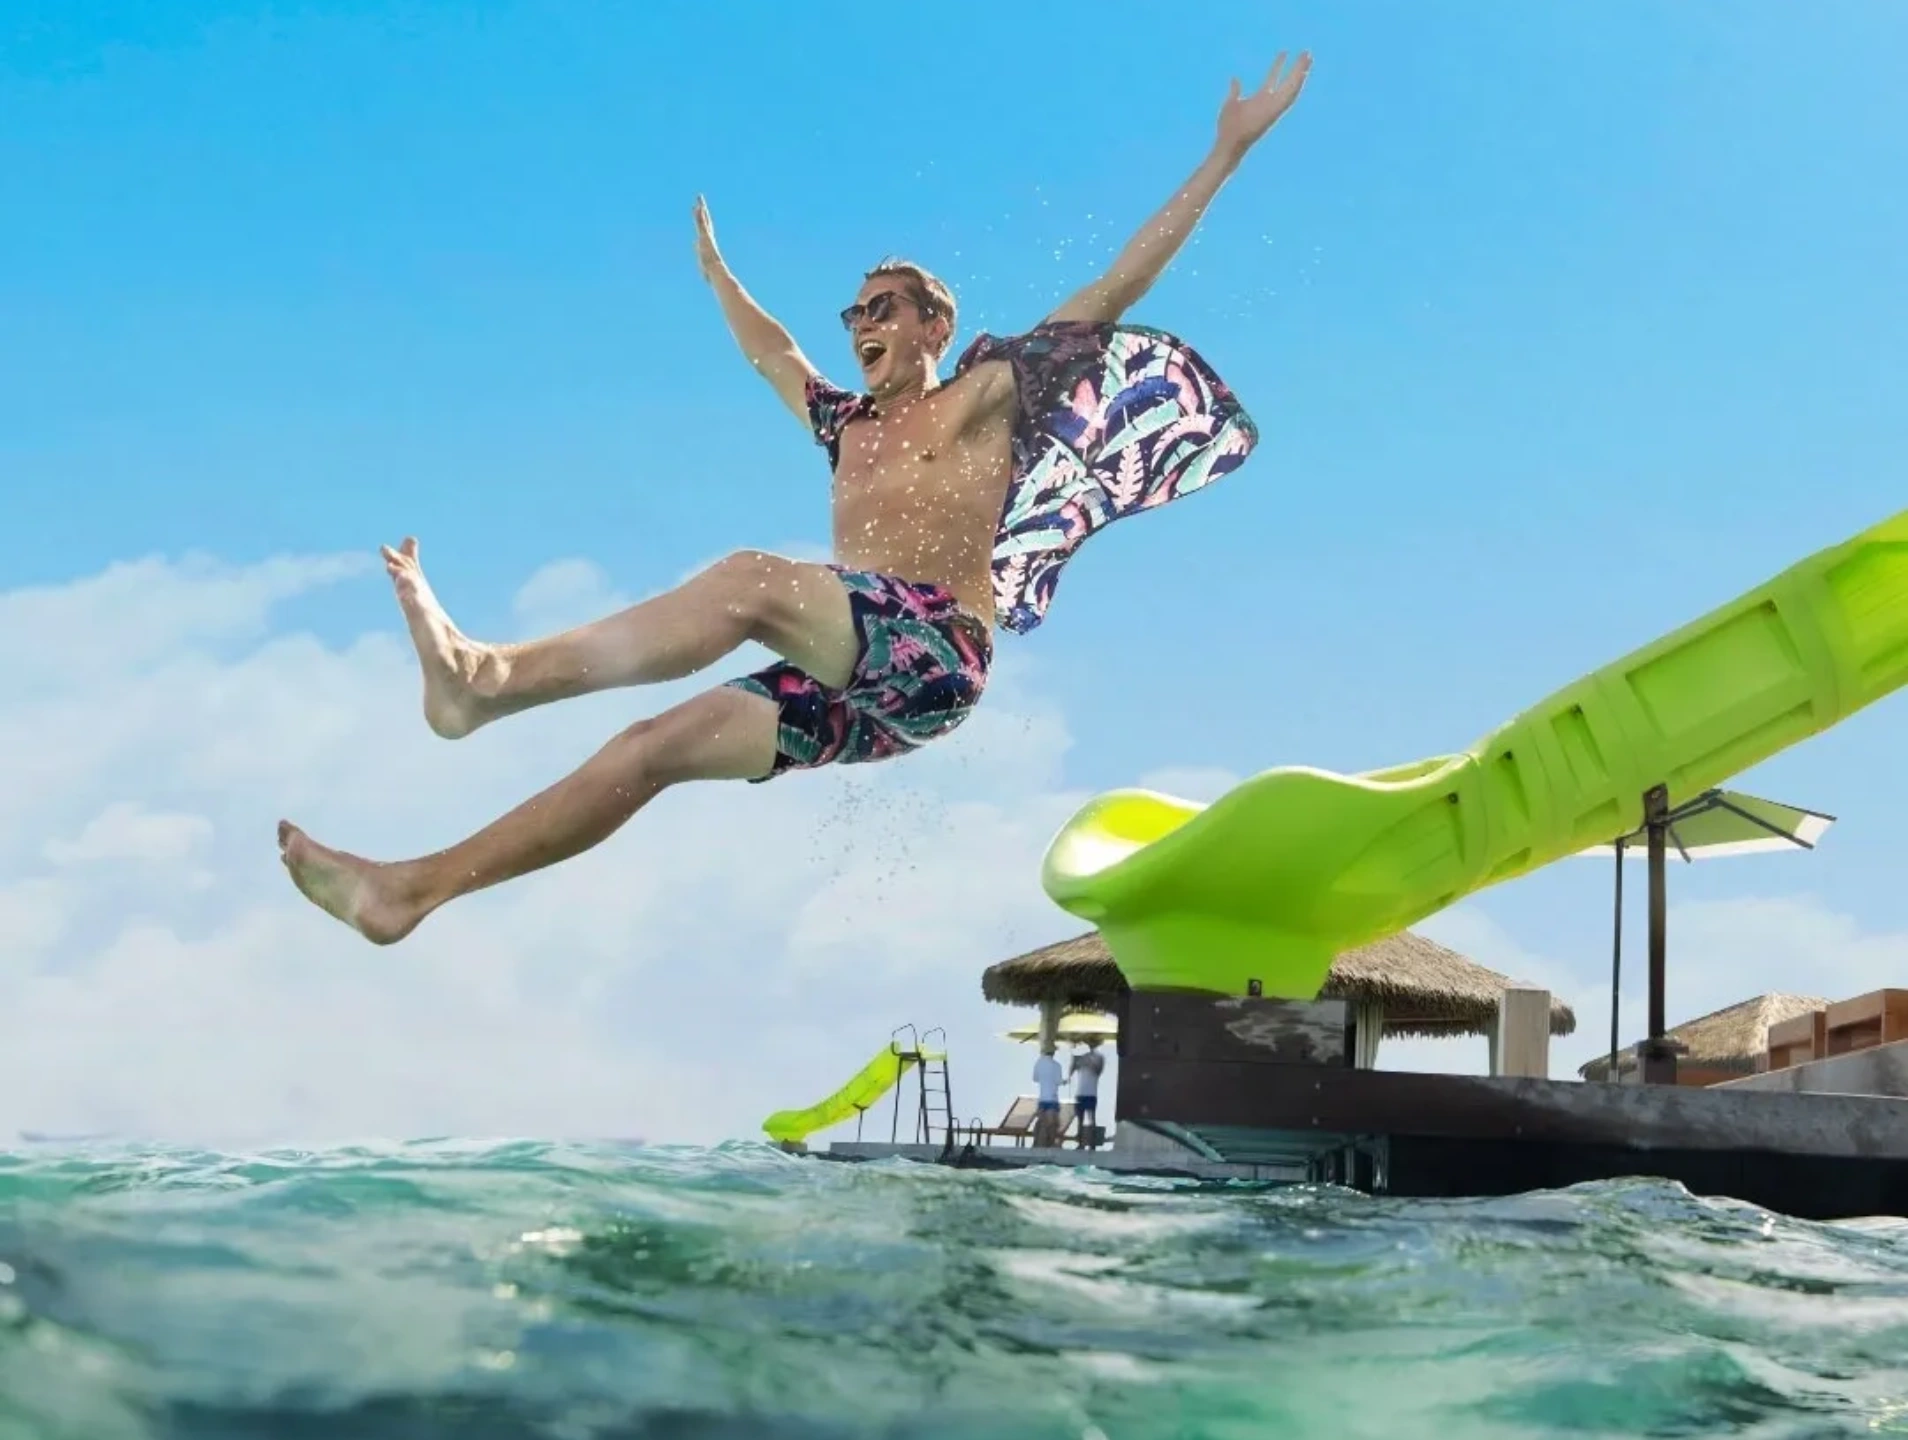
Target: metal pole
{"x":921,"y":1119}
{"x":1616,"y":961}
{"x":1656,"y":807}
{"x":1656,"y":1055}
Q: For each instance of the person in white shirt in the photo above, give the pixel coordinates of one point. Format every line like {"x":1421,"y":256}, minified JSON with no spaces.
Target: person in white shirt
{"x":1046,"y":1074}
{"x":1085,"y":1072}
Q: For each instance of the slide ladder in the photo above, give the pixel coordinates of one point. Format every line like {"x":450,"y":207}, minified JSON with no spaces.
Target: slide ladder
{"x":936,"y":1096}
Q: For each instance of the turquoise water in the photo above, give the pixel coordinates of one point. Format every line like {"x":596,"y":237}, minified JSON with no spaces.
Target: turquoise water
{"x":489,"y":1292}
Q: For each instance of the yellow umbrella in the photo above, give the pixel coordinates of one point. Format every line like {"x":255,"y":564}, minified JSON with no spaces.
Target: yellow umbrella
{"x":1071,"y":1028}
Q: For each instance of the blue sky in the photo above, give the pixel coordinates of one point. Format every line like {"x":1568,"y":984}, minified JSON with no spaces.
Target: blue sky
{"x":1561,"y":325}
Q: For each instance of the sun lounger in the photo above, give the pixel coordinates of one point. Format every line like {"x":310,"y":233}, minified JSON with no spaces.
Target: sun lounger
{"x":1018,"y":1123}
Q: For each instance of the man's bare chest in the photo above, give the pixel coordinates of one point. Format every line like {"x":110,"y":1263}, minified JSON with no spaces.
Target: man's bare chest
{"x":876,"y":447}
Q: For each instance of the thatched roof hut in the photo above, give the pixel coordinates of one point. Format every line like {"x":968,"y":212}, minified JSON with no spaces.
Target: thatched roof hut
{"x":1721,"y":1044}
{"x":1421,"y":987}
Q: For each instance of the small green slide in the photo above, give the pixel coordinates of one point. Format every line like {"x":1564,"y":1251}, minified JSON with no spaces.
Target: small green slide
{"x":1293,"y":866}
{"x":875,"y":1079}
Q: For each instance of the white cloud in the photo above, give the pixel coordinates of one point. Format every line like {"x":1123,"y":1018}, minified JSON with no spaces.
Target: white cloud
{"x":138,"y":612}
{"x":1203,"y":784}
{"x":128,"y":831}
{"x":735,"y":950}
{"x":32,"y":918}
{"x":563,"y":594}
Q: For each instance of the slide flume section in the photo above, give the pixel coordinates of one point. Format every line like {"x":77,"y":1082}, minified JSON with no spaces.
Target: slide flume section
{"x":874,"y":1080}
{"x":1293,"y":866}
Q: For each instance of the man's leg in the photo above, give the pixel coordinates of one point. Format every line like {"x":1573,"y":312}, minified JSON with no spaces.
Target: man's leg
{"x":722,"y":734}
{"x":798,"y":610}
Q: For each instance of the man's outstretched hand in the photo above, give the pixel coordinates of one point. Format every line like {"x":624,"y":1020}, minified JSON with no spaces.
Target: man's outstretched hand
{"x":1244,"y":119}
{"x":708,"y":258}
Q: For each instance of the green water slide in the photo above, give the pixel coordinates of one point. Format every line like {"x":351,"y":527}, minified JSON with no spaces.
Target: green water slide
{"x":1273,"y":880}
{"x":875,"y":1079}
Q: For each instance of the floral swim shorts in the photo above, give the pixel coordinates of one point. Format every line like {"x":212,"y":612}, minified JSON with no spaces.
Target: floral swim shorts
{"x":921,"y":669}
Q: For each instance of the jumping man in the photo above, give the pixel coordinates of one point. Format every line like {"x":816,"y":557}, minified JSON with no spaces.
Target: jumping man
{"x":955,"y":505}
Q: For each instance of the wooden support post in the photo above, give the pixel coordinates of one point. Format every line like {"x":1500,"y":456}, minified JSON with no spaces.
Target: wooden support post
{"x":1523,"y":1032}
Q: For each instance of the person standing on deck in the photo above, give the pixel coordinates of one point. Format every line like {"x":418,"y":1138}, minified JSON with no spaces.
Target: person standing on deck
{"x":1046,"y":1074}
{"x":1085,"y":1073}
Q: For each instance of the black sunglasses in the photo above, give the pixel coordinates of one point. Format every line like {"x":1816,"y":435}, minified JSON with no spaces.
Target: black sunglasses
{"x":879,"y":307}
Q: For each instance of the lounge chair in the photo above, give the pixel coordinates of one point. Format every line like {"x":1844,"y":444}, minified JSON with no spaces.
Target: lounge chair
{"x":1018,"y":1123}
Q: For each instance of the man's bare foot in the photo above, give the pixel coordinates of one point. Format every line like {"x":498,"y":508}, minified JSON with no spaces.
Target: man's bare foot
{"x":371,"y":898}
{"x":455,"y":668}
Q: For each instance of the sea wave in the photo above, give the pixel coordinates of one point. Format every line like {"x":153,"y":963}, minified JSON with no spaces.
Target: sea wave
{"x":494,"y":1290}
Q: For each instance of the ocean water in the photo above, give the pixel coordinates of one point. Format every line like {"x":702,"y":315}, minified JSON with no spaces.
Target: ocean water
{"x":496,"y":1291}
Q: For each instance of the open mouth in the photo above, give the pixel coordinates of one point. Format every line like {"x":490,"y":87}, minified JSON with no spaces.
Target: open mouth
{"x":869,"y":351}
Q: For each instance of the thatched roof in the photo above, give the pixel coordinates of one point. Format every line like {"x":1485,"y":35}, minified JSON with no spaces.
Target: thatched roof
{"x":1425,"y":988}
{"x":1728,"y":1039}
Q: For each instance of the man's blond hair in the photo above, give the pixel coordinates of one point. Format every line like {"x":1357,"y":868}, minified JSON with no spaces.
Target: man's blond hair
{"x":926,"y":289}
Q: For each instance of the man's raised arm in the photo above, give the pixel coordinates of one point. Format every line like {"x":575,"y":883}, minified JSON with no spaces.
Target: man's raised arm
{"x":770,"y":348}
{"x":1242,"y":122}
